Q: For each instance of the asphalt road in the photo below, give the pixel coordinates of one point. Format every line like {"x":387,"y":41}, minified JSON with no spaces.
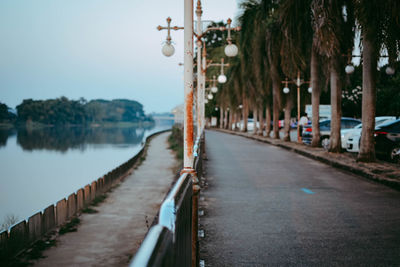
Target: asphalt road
{"x":265,"y":206}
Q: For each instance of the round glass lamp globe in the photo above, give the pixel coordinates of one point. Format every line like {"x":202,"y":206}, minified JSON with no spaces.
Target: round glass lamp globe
{"x":222,"y":78}
{"x":231,"y":50}
{"x":309,"y":90}
{"x":286,"y":90}
{"x":210,"y":96}
{"x":168,"y":50}
{"x":349,"y":69}
{"x":390,"y":71}
{"x":214,"y":89}
{"x":205,"y":101}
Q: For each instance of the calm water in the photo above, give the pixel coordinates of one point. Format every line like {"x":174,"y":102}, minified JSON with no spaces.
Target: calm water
{"x":40,"y":167}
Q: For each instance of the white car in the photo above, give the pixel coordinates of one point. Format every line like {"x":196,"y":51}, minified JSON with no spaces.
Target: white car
{"x":352,"y":138}
{"x":346,"y":133}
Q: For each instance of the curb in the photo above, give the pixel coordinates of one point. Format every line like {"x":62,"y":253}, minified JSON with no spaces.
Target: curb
{"x":370,"y":172}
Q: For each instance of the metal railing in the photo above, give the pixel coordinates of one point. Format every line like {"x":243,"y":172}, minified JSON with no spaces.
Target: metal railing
{"x":170,"y":242}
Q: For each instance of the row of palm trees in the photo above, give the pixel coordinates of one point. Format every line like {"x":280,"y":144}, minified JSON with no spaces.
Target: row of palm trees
{"x":280,"y":38}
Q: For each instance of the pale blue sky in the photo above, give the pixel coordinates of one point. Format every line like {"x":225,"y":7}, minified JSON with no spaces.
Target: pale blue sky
{"x":94,"y":49}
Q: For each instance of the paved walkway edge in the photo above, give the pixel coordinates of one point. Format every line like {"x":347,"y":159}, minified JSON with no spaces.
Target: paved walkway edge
{"x":369,"y":172}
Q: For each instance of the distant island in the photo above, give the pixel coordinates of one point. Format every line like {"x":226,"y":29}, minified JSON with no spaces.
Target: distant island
{"x":65,"y":112}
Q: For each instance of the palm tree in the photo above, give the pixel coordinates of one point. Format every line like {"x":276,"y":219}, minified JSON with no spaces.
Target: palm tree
{"x":380,"y":29}
{"x":333,"y":29}
{"x":295,"y":21}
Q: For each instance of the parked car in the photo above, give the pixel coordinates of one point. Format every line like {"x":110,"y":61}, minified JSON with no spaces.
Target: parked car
{"x":352,"y":138}
{"x":387,"y":141}
{"x":325,"y":130}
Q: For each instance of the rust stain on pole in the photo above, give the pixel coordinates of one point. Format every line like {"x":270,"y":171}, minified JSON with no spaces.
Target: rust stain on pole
{"x":189,"y":122}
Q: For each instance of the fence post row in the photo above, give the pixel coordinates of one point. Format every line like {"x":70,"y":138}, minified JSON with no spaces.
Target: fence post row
{"x":170,"y":242}
{"x":25,"y":233}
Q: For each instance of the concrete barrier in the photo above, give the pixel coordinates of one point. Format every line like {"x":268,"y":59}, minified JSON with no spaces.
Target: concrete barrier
{"x":18,"y":237}
{"x":80,"y":199}
{"x":93,"y":188}
{"x":61,"y":211}
{"x":71,"y":206}
{"x":49,"y":219}
{"x":87,"y":197}
{"x":35,"y":227}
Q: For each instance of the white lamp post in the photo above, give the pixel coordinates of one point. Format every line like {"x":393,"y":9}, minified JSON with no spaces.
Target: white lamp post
{"x":349,"y":69}
{"x":390,"y":70}
{"x":168,"y":49}
{"x":231,"y":49}
{"x":286,"y":90}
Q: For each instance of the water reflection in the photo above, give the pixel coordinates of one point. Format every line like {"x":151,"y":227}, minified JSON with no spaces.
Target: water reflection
{"x":40,"y":167}
{"x":62,"y":139}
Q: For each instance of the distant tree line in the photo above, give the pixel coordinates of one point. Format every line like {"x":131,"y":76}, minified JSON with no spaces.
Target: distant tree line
{"x":5,"y":115}
{"x":62,"y":111}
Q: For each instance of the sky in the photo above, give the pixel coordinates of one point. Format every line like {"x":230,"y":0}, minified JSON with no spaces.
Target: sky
{"x":95,"y":49}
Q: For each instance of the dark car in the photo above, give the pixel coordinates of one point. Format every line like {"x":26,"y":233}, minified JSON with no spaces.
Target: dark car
{"x":325,"y":130}
{"x":387,"y":141}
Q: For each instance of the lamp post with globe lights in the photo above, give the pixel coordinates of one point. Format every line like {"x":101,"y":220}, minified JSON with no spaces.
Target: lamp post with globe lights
{"x":231,"y":50}
{"x":298,"y":82}
{"x":349,"y":69}
{"x":168,"y":49}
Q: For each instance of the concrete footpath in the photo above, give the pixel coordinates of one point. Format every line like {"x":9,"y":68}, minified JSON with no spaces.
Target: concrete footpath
{"x":380,"y":171}
{"x":112,"y":236}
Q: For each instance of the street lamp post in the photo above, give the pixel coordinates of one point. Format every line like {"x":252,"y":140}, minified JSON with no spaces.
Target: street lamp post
{"x":231,"y":50}
{"x":298,"y":82}
{"x":200,"y":91}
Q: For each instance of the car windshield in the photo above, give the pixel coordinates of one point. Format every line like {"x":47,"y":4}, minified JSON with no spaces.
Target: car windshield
{"x":387,"y":123}
{"x":382,"y":121}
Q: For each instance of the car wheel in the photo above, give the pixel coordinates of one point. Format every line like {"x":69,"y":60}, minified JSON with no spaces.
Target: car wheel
{"x":325,"y":143}
{"x":394,"y":154}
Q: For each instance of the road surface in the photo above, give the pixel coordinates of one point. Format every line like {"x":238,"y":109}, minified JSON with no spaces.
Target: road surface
{"x":265,"y":206}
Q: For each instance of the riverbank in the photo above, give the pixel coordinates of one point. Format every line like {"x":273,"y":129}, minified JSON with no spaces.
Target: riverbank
{"x":111,"y":236}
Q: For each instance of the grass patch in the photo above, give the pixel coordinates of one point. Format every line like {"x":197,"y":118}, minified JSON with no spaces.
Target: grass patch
{"x":71,"y":226}
{"x":89,"y":210}
{"x":37,"y":250}
{"x":98,"y":200}
{"x":175,"y":141}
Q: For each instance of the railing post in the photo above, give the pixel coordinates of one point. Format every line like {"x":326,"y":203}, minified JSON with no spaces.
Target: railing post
{"x":195,"y":221}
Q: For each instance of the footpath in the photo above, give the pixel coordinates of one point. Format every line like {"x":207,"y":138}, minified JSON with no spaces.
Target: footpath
{"x":112,"y":236}
{"x":380,"y":171}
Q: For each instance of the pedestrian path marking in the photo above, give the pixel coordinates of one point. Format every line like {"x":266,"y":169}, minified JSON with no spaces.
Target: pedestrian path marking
{"x":308,"y":191}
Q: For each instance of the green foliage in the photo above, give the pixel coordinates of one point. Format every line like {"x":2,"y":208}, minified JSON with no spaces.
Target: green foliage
{"x":176,"y":141}
{"x":71,"y":226}
{"x":5,"y":115}
{"x":62,"y":111}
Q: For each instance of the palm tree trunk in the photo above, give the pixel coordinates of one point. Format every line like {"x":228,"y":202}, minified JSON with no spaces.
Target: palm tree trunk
{"x":230,"y":120}
{"x":367,"y":147}
{"x":268,"y":119}
{"x":221,"y":118}
{"x":261,"y":119}
{"x":276,"y":92}
{"x":288,"y":111}
{"x":245,"y":112}
{"x":336,"y":104}
{"x":255,"y":120}
{"x":235,"y":121}
{"x":315,"y":98}
{"x":226,"y":118}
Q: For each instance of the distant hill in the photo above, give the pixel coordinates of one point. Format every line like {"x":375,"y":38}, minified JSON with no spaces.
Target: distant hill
{"x":6,"y":114}
{"x":62,"y":111}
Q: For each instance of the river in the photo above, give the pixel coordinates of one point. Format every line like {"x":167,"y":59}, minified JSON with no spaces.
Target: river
{"x":40,"y":167}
